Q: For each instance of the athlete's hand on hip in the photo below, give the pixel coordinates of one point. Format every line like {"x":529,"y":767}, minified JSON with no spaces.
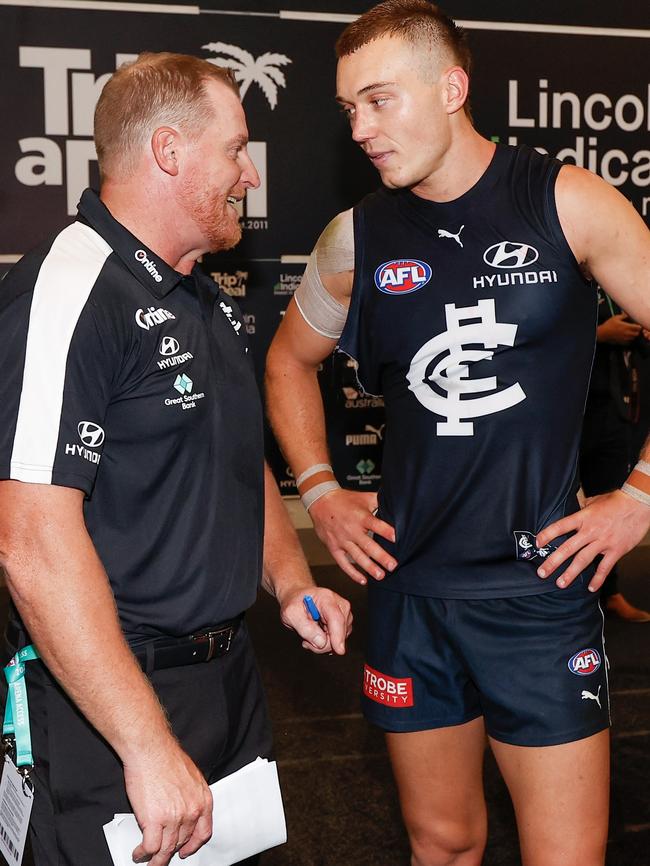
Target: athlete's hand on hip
{"x":335,"y":613}
{"x":609,"y":526}
{"x":343,"y":520}
{"x":171,"y":801}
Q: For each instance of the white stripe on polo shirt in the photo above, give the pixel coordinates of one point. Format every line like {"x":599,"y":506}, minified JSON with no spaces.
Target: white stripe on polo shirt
{"x":64,"y":283}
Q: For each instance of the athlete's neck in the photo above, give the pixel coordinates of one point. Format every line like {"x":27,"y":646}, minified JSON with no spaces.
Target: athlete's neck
{"x":462,"y":166}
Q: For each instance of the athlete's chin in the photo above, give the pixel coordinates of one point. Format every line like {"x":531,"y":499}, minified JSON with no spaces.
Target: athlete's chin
{"x":394,"y":179}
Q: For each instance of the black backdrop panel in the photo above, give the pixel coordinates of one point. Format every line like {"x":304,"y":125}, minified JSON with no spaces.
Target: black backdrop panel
{"x":581,"y":96}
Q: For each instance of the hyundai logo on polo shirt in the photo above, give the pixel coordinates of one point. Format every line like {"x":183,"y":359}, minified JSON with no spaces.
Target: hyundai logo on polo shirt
{"x":169,"y":346}
{"x":510,"y":255}
{"x":91,"y":434}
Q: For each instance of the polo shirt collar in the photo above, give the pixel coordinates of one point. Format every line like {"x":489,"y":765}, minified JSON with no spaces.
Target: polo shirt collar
{"x":147,"y":267}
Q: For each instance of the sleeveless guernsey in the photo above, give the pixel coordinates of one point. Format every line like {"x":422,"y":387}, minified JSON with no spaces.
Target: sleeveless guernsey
{"x":473,"y":320}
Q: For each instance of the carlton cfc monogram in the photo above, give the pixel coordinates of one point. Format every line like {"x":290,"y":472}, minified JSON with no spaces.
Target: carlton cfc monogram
{"x":443,"y":363}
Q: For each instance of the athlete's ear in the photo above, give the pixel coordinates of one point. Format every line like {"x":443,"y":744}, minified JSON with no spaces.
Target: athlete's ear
{"x":165,"y":146}
{"x":456,"y":82}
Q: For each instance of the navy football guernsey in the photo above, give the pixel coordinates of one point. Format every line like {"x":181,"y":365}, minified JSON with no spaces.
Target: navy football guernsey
{"x":474,"y":321}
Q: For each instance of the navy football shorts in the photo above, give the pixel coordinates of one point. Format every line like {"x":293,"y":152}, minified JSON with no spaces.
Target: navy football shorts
{"x":534,"y":666}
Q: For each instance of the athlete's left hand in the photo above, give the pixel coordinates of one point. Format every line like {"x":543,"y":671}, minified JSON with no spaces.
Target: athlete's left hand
{"x":609,"y":525}
{"x":336,"y":616}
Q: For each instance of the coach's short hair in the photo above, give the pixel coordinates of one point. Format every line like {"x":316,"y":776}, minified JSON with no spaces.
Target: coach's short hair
{"x":156,"y":89}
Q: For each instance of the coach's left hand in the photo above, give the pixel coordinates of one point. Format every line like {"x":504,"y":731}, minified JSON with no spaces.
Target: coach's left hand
{"x":336,"y":616}
{"x":609,"y":525}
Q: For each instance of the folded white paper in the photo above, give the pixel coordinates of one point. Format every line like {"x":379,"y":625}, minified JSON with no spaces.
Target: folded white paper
{"x":247,"y":817}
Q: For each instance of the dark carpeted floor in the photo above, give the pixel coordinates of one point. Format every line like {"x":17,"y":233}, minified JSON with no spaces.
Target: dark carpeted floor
{"x":340,"y":800}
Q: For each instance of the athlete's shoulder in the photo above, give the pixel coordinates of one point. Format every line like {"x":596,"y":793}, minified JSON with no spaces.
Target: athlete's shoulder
{"x":335,"y":246}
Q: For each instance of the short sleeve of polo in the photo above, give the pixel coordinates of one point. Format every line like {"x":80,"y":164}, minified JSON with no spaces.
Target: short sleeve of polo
{"x":58,"y":363}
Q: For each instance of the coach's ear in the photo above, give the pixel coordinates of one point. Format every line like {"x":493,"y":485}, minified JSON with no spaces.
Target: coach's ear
{"x":165,"y":146}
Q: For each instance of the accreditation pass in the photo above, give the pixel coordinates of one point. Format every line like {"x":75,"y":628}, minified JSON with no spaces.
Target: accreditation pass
{"x":16,"y":800}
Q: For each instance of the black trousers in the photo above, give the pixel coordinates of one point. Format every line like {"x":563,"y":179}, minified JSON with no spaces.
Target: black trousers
{"x":605,"y":458}
{"x":217,"y":711}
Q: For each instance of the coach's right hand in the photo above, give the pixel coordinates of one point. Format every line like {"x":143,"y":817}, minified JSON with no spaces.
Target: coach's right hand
{"x":342,"y":520}
{"x":171,"y":801}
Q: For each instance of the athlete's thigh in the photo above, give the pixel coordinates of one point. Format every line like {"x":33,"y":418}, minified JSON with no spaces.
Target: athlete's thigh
{"x":439,"y":775}
{"x":561,"y":799}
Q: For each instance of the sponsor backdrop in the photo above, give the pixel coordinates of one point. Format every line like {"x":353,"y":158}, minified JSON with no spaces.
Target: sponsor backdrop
{"x":542,"y":76}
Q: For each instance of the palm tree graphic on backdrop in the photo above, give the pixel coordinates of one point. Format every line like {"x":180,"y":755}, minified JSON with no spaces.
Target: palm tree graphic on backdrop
{"x":262,"y":70}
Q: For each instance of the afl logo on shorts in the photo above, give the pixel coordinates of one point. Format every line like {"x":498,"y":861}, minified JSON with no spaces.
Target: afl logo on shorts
{"x":402,"y":276}
{"x":586,"y":662}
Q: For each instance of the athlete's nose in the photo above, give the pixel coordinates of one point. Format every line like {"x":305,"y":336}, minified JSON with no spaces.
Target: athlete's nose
{"x":362,"y":127}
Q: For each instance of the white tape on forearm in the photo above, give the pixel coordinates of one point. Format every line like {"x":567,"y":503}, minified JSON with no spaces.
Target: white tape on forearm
{"x":637,"y":494}
{"x":317,"y":491}
{"x":643,"y":466}
{"x":313,"y":470}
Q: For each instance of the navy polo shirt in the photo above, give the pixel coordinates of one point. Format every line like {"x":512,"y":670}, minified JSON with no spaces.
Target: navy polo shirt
{"x":134,"y":383}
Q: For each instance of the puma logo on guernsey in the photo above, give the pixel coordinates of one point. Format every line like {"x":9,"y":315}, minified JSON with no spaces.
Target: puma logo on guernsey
{"x":443,"y":233}
{"x":589,"y":696}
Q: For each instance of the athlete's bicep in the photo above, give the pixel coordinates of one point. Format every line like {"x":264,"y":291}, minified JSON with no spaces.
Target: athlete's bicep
{"x":323,"y":295}
{"x":297,"y":342}
{"x":608,"y":237}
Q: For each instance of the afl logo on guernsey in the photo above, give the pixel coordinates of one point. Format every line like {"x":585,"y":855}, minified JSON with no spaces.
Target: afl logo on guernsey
{"x":402,"y":276}
{"x":586,"y":662}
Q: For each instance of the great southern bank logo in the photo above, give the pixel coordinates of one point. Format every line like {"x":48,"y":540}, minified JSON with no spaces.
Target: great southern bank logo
{"x":402,"y":276}
{"x":585,"y":662}
{"x":183,"y":384}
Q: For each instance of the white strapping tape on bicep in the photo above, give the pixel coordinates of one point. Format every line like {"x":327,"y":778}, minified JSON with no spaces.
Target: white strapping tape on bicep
{"x":333,"y":254}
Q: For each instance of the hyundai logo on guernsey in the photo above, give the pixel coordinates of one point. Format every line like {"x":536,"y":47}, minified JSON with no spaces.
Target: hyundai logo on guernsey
{"x":585,"y":662}
{"x":390,"y":691}
{"x":402,"y":276}
{"x":152,"y":317}
{"x":148,"y":265}
{"x":510,"y":255}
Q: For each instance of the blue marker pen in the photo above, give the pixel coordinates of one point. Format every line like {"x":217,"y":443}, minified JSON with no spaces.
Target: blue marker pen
{"x":313,"y":611}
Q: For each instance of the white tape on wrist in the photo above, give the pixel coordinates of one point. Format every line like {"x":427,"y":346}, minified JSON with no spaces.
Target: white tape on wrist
{"x":315,"y":493}
{"x":643,"y":466}
{"x":317,"y":467}
{"x":637,"y":494}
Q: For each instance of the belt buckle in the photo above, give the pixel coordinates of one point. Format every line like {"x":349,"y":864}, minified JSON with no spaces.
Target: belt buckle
{"x":212,"y":643}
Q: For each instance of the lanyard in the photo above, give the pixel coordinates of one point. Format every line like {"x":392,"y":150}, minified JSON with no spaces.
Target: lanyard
{"x":16,"y":720}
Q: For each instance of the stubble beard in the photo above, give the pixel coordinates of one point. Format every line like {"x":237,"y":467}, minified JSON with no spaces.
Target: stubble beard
{"x":211,"y":212}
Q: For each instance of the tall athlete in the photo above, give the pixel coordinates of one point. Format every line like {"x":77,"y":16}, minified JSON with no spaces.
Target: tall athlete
{"x":462,"y":290}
